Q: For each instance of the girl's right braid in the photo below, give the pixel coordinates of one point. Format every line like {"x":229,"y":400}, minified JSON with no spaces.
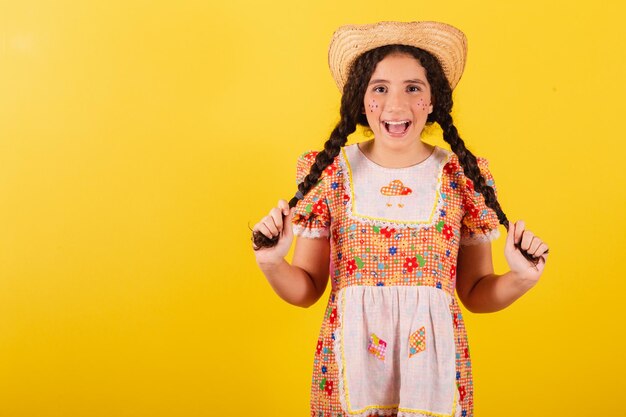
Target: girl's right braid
{"x":351,"y":112}
{"x":338,"y":138}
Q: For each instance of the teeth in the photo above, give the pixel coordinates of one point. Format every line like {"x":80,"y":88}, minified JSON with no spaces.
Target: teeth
{"x":396,"y":123}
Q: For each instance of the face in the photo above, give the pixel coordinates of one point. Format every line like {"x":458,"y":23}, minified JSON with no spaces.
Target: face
{"x":397,"y":100}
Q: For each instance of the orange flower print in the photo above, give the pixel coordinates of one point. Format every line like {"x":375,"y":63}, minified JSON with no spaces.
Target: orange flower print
{"x":329,"y":387}
{"x":318,"y":208}
{"x":310,"y":157}
{"x":471,"y":209}
{"x":447,"y":231}
{"x":351,"y":266}
{"x":410,"y":264}
{"x":450,"y":168}
{"x":333,"y":315}
{"x":462,"y":393}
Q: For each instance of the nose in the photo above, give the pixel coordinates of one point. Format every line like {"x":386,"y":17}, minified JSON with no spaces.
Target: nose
{"x":396,"y":101}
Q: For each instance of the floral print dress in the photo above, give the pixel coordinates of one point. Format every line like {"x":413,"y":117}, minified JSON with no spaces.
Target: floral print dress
{"x":393,"y":341}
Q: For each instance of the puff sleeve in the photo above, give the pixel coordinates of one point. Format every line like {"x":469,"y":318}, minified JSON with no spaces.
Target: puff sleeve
{"x":479,"y":223}
{"x":312,"y":216}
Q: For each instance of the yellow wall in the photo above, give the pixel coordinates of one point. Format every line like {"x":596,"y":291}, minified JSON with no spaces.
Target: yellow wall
{"x":138,"y":139}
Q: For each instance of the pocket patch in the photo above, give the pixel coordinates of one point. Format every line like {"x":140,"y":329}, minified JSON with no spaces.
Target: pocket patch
{"x":417,"y":341}
{"x":377,"y":347}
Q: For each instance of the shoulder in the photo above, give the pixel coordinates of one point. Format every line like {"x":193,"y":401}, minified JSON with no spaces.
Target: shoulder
{"x":454,"y":167}
{"x":307,"y":159}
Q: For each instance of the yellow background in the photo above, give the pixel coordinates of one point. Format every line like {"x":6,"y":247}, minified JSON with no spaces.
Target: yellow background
{"x":139,"y":139}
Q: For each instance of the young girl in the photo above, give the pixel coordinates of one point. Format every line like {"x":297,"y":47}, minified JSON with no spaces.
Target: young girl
{"x":399,"y":225}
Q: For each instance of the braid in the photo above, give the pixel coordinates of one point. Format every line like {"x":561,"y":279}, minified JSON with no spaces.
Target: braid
{"x":472,"y":171}
{"x":338,"y":138}
{"x":350,"y":112}
{"x":442,"y":106}
{"x":470,"y":166}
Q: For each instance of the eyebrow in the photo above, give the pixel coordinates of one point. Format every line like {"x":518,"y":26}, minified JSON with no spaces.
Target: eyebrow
{"x":414,"y":81}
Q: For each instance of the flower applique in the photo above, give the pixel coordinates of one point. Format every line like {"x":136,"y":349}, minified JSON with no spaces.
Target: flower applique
{"x":377,"y":347}
{"x":394,"y":190}
{"x":417,"y":341}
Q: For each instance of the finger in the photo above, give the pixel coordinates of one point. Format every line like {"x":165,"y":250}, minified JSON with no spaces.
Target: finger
{"x":268,"y":221}
{"x":284,"y":206}
{"x":288,"y":226}
{"x":265,"y":230}
{"x":527,"y":238}
{"x":277,"y":217}
{"x":519,"y":229}
{"x":541,"y":250}
{"x":534,"y":245}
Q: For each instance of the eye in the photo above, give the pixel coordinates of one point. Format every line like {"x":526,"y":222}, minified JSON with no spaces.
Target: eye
{"x":379,"y":89}
{"x":413,"y":88}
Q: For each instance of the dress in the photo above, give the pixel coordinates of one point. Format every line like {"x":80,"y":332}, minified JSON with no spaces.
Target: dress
{"x":392,"y":340}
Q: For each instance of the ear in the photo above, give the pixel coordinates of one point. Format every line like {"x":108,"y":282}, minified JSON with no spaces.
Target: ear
{"x":430,"y":108}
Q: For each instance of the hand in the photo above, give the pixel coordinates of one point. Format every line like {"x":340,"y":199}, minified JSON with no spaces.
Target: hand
{"x":274,"y":224}
{"x":531,"y":244}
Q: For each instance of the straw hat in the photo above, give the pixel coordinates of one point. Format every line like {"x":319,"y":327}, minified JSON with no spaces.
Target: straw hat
{"x":447,"y":43}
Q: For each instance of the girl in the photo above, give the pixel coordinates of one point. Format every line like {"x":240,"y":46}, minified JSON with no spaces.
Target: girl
{"x":399,"y":225}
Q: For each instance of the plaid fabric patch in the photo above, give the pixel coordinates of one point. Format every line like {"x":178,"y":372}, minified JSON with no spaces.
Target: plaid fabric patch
{"x":377,"y":347}
{"x":417,"y":341}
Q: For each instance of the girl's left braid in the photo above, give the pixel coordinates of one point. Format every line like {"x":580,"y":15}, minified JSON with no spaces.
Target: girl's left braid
{"x":472,"y":171}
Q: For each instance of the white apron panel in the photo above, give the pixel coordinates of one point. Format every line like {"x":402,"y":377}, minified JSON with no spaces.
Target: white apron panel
{"x":395,"y":351}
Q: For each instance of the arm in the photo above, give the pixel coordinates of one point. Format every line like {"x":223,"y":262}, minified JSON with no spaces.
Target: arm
{"x":302,"y":282}
{"x":482,"y":291}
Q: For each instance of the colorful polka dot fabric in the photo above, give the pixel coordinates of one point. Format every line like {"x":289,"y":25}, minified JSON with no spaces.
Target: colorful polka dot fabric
{"x":393,"y":341}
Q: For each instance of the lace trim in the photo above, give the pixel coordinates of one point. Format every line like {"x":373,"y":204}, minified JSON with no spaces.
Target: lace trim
{"x":480,"y":238}
{"x":347,"y":183}
{"x":303,"y":231}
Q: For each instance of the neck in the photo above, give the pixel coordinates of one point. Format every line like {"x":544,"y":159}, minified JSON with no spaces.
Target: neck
{"x":403,"y":157}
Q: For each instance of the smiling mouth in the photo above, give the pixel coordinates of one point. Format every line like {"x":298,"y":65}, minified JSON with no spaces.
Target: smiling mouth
{"x":397,"y":128}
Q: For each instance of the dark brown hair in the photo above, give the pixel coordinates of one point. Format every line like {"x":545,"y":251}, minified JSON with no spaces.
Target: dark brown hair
{"x":351,"y":115}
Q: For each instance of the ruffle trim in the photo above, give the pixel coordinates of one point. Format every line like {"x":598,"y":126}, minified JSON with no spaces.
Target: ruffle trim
{"x":478,"y":238}
{"x":390,"y":223}
{"x":303,"y":231}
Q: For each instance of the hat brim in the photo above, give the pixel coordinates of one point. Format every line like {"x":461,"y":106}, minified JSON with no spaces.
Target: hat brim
{"x":447,"y":43}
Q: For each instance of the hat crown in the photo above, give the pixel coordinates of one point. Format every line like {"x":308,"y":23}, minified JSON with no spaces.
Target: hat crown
{"x":447,"y":43}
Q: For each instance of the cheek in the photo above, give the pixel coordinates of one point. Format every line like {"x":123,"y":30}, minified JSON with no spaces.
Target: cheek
{"x":372,"y":105}
{"x":421,"y":106}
